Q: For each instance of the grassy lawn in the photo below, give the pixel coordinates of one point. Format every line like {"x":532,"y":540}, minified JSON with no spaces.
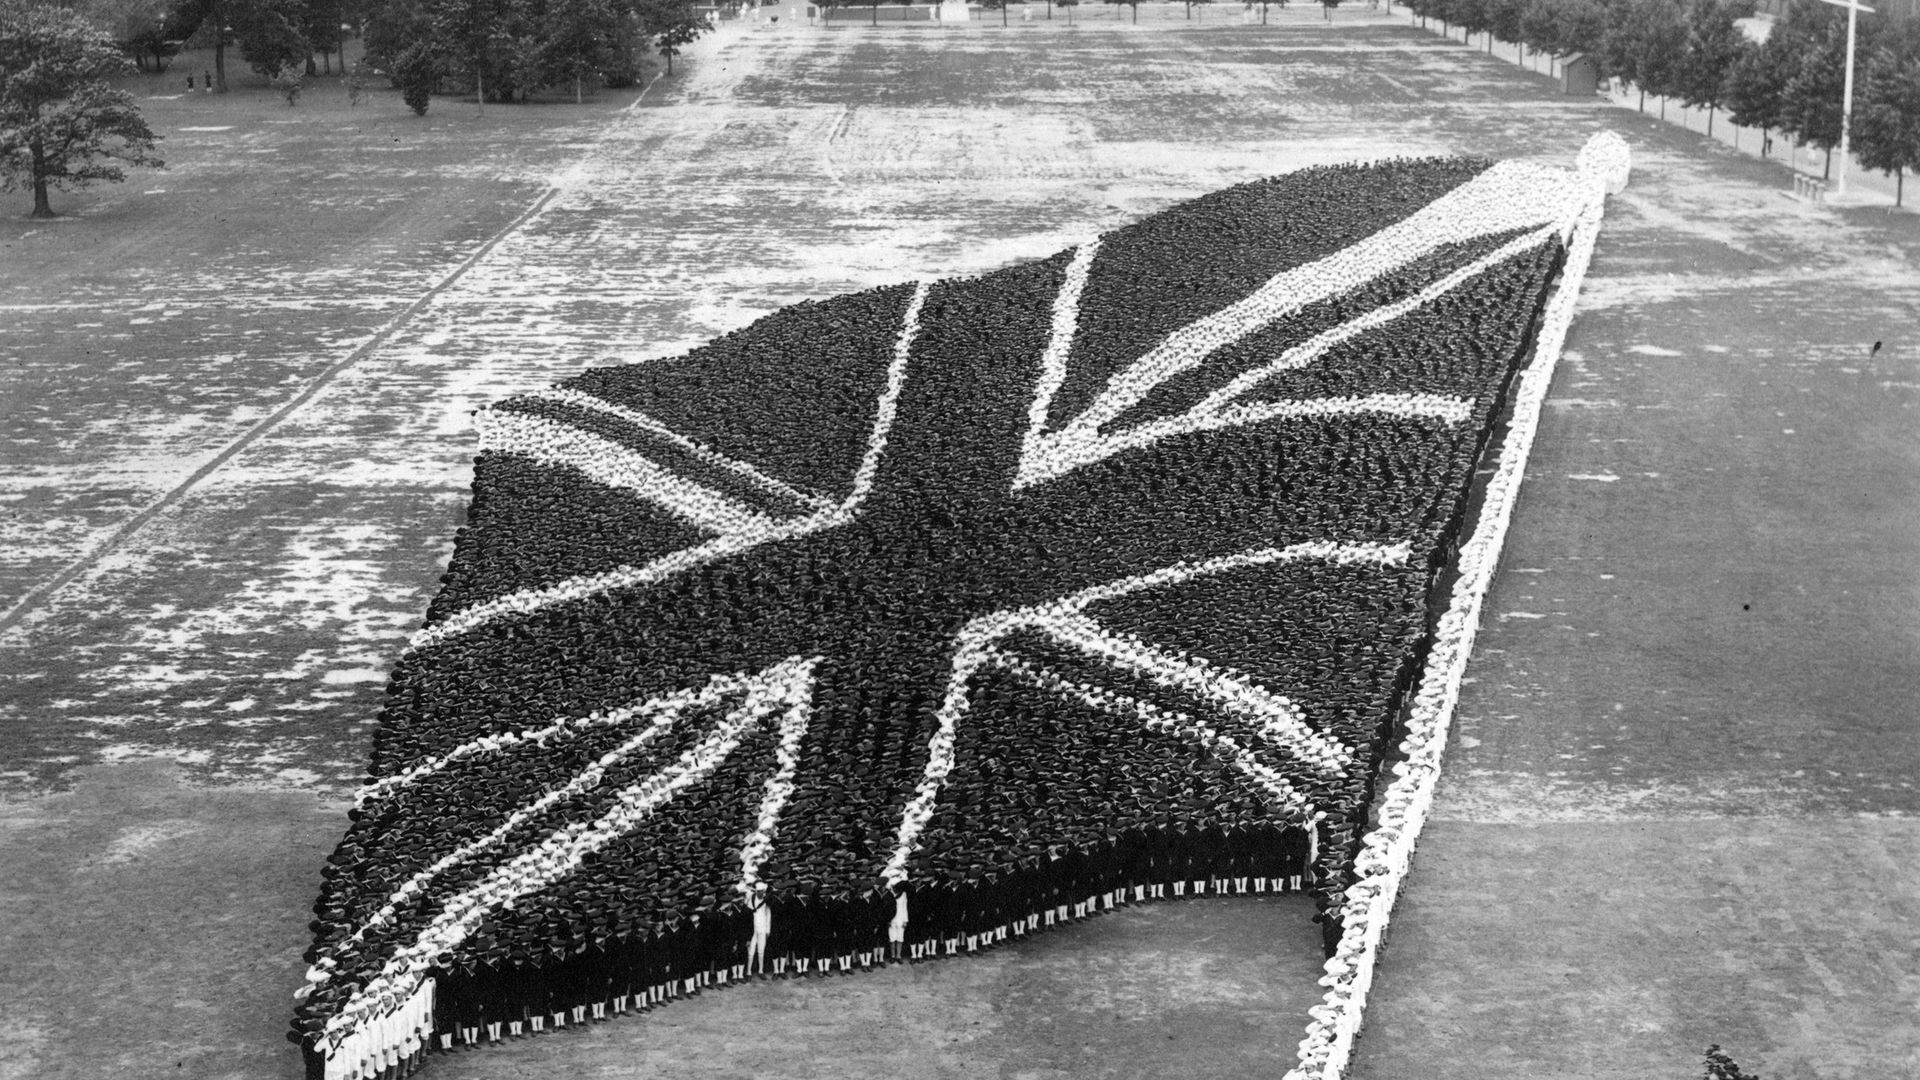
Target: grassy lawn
{"x":167,"y":313}
{"x":234,"y":401}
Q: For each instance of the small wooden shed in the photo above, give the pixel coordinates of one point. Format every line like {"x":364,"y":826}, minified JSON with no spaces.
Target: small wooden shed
{"x":1580,"y":75}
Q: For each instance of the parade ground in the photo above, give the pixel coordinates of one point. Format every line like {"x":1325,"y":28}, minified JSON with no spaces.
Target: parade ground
{"x":1679,"y":805}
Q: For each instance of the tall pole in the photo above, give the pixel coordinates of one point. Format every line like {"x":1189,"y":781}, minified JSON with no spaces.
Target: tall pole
{"x":1854,"y":8}
{"x":1846,"y":101}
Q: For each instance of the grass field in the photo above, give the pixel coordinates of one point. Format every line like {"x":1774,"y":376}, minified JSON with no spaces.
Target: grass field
{"x":235,"y":402}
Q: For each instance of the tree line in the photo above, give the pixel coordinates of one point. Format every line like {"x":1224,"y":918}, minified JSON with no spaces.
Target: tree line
{"x":506,"y":50}
{"x":1695,"y":51}
{"x":64,"y":124}
{"x":500,"y":50}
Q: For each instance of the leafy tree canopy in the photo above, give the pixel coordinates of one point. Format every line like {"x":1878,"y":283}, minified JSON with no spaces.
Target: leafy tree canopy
{"x":1886,"y":133}
{"x":61,"y":124}
{"x":1715,"y":44}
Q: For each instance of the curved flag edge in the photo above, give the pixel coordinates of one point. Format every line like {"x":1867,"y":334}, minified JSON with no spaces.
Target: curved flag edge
{"x":1387,"y":850}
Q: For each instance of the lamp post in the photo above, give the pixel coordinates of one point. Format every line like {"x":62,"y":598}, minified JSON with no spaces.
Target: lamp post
{"x":1854,"y":8}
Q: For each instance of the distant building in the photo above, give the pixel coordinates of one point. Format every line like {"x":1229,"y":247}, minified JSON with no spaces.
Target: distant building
{"x":1580,"y":75}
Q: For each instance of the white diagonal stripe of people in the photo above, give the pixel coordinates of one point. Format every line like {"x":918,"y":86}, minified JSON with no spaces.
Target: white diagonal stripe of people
{"x":1155,"y":718}
{"x":1507,"y":196}
{"x":1308,"y":351}
{"x":1442,"y":407}
{"x":1278,"y":719}
{"x":976,"y":642}
{"x":770,"y":485}
{"x":603,"y":461}
{"x":529,"y":601}
{"x":587,"y":778}
{"x":716,"y":688}
{"x":785,"y":687}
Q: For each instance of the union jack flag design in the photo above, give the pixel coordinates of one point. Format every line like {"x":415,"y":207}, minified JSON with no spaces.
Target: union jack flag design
{"x":898,"y":624}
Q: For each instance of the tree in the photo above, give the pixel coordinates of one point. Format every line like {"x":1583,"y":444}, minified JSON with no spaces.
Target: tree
{"x":1811,"y":108}
{"x":155,"y":45}
{"x":1265,"y":4}
{"x":1566,"y":28}
{"x":1715,"y":45}
{"x":1886,"y":133}
{"x":61,"y":124}
{"x":1645,"y":43}
{"x":269,"y":36}
{"x":578,"y":42}
{"x":139,"y":27}
{"x":1071,"y":4}
{"x":1003,"y":5}
{"x":395,"y":27}
{"x":1329,"y":5}
{"x":1472,"y":16}
{"x":1757,"y":87}
{"x":1503,"y":22}
{"x":212,"y":23}
{"x":320,"y":22}
{"x":673,"y":24}
{"x":628,"y":40}
{"x":1134,"y":4}
{"x":486,"y":43}
{"x":415,"y":74}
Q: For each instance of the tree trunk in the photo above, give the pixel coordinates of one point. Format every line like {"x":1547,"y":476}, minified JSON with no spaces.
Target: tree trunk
{"x":480,"y":91}
{"x":312,"y":68}
{"x":1710,"y":111}
{"x":1643,"y":99}
{"x":1663,"y":106}
{"x":1826,"y":171}
{"x":576,"y":89}
{"x":1899,"y":185}
{"x":41,"y":207}
{"x":219,"y":61}
{"x":876,"y":26}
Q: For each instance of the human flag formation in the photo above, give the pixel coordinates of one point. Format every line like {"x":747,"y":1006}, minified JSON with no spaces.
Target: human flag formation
{"x":904,"y":623}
